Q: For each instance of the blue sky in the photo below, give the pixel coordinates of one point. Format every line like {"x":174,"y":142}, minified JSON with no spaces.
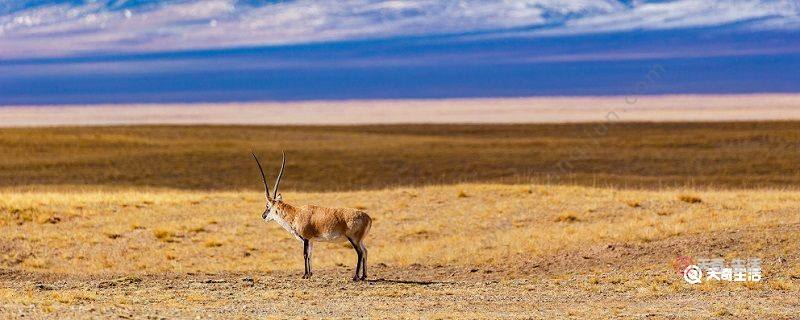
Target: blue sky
{"x":63,"y":52}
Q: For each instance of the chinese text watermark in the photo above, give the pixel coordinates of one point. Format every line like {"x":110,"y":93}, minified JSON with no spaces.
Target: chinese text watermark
{"x":738,"y":270}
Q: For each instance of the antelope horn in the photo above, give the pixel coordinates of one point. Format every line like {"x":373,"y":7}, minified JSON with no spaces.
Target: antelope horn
{"x":263,"y":177}
{"x":280,"y":174}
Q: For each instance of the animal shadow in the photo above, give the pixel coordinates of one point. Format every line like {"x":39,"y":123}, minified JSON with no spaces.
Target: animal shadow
{"x":401,"y":281}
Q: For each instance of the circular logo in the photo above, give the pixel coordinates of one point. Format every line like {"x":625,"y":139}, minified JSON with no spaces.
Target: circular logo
{"x":693,"y":274}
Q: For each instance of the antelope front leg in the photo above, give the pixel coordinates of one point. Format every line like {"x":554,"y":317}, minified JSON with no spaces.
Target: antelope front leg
{"x":306,"y":258}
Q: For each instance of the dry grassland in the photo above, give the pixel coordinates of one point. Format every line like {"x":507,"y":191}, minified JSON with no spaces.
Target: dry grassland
{"x":652,"y":155}
{"x":97,"y":222}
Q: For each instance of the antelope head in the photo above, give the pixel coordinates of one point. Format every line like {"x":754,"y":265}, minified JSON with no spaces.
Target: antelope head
{"x":272,"y":200}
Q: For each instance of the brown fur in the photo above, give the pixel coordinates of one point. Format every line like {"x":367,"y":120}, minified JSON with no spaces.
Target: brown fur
{"x":311,"y":221}
{"x":314,"y":223}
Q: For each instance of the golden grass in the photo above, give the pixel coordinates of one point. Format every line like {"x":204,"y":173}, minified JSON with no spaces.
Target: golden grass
{"x":132,"y":206}
{"x":653,"y":155}
{"x":190,"y":231}
{"x":689,"y":199}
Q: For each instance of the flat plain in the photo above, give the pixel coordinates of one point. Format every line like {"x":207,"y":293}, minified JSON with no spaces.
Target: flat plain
{"x":470,"y":221}
{"x":631,"y":108}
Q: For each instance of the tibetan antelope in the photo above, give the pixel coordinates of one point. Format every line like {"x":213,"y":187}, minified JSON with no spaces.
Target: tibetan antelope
{"x":313,"y":223}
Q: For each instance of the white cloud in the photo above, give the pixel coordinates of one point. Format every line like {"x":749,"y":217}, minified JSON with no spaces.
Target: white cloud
{"x":61,"y":29}
{"x":682,"y":14}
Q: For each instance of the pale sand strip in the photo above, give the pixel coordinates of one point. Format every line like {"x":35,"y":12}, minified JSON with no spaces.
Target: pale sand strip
{"x":517,"y":110}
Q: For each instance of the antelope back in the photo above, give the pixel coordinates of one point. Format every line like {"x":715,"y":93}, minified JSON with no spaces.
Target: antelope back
{"x":332,"y":223}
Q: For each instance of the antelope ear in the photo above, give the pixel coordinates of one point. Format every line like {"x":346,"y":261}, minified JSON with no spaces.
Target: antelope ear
{"x":279,"y":197}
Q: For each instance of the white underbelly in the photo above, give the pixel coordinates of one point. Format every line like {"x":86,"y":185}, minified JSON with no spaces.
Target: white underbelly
{"x":330,"y":237}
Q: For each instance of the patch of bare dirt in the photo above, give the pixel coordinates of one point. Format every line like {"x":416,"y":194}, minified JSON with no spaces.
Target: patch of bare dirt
{"x":604,"y":281}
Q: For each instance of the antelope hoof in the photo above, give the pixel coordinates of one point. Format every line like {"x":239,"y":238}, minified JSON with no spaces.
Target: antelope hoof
{"x":306,"y":276}
{"x":355,"y":279}
{"x":363,"y":278}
